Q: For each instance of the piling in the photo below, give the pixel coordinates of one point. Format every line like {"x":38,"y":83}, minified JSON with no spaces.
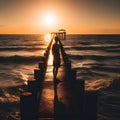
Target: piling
{"x":38,"y":74}
{"x":28,"y":107}
{"x":32,"y":86}
{"x":42,"y":66}
{"x":91,"y":98}
{"x":79,"y":94}
{"x":72,"y":74}
{"x":46,"y":54}
{"x":44,"y":59}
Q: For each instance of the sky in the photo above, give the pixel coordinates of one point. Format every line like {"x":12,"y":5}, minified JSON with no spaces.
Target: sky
{"x":76,"y":16}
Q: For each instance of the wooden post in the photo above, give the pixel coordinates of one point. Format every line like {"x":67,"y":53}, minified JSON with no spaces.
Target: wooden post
{"x":46,"y":54}
{"x":38,"y":74}
{"x":73,"y":74}
{"x":79,"y":96}
{"x":68,"y":64}
{"x":44,"y":59}
{"x":48,"y":49}
{"x":91,"y":105}
{"x":28,"y":107}
{"x":42,"y":65}
{"x":66,"y":58}
{"x":32,"y":86}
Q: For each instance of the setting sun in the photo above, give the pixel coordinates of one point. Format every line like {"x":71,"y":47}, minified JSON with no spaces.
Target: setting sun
{"x":76,"y":16}
{"x":49,"y":20}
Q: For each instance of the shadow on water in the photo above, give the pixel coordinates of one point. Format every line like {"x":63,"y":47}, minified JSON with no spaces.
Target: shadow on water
{"x":60,"y":112}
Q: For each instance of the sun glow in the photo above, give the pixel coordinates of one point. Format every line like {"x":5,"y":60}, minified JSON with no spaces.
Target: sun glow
{"x":49,"y":20}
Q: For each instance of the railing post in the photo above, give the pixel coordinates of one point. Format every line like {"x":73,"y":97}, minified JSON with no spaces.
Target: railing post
{"x":33,"y":86}
{"x":28,"y":107}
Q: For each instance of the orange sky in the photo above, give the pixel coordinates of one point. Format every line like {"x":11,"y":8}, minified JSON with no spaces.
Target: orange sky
{"x":76,"y":16}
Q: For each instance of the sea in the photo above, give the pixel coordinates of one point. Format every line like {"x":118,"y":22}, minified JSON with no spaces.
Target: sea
{"x":95,"y":57}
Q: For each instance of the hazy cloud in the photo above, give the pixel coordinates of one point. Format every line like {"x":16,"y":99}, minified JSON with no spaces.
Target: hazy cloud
{"x":2,"y":25}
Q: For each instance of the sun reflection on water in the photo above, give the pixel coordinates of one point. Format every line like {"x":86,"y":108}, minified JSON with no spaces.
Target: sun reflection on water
{"x":50,"y":60}
{"x":47,"y":38}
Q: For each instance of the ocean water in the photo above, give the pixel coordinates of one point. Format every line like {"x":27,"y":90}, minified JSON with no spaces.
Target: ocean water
{"x":96,"y":58}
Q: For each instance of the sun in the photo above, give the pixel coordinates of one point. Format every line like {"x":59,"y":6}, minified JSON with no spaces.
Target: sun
{"x":49,"y":20}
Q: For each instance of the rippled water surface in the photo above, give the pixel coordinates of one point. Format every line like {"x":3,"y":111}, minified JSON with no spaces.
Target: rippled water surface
{"x":96,"y":58}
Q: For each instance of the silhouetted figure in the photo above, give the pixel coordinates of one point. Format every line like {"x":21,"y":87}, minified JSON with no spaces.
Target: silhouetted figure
{"x":56,"y":57}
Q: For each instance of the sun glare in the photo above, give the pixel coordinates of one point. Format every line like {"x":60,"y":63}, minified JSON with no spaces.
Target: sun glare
{"x":49,"y":20}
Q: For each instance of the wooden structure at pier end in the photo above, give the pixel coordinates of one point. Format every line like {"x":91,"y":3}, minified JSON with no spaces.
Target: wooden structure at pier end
{"x":46,"y":99}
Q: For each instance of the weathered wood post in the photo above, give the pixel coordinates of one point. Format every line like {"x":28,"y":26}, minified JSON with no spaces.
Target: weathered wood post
{"x":32,"y":86}
{"x":38,"y":74}
{"x":42,"y":66}
{"x":72,"y":74}
{"x":66,"y":58}
{"x":67,"y":63}
{"x":91,"y":105}
{"x":28,"y":108}
{"x":44,"y":59}
{"x":79,"y":93}
{"x":46,"y":54}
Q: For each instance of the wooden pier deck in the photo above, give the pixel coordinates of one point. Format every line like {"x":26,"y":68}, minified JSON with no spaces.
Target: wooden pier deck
{"x":56,"y":99}
{"x":50,"y":100}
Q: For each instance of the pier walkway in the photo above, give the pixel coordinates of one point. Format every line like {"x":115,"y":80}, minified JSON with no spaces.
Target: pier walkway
{"x":47,"y":99}
{"x":57,"y":100}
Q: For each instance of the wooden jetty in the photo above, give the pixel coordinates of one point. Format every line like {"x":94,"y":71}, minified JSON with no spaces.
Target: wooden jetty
{"x":46,"y":99}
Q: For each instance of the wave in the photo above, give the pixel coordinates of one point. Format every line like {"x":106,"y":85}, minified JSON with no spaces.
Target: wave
{"x":11,"y":94}
{"x":21,"y":49}
{"x":103,"y":84}
{"x":23,"y":44}
{"x":10,"y":100}
{"x":92,"y":47}
{"x":107,"y":68}
{"x":21,"y":59}
{"x":93,"y":57}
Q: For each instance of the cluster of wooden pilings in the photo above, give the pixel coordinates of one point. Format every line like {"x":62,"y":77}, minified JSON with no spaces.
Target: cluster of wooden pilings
{"x":29,"y":99}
